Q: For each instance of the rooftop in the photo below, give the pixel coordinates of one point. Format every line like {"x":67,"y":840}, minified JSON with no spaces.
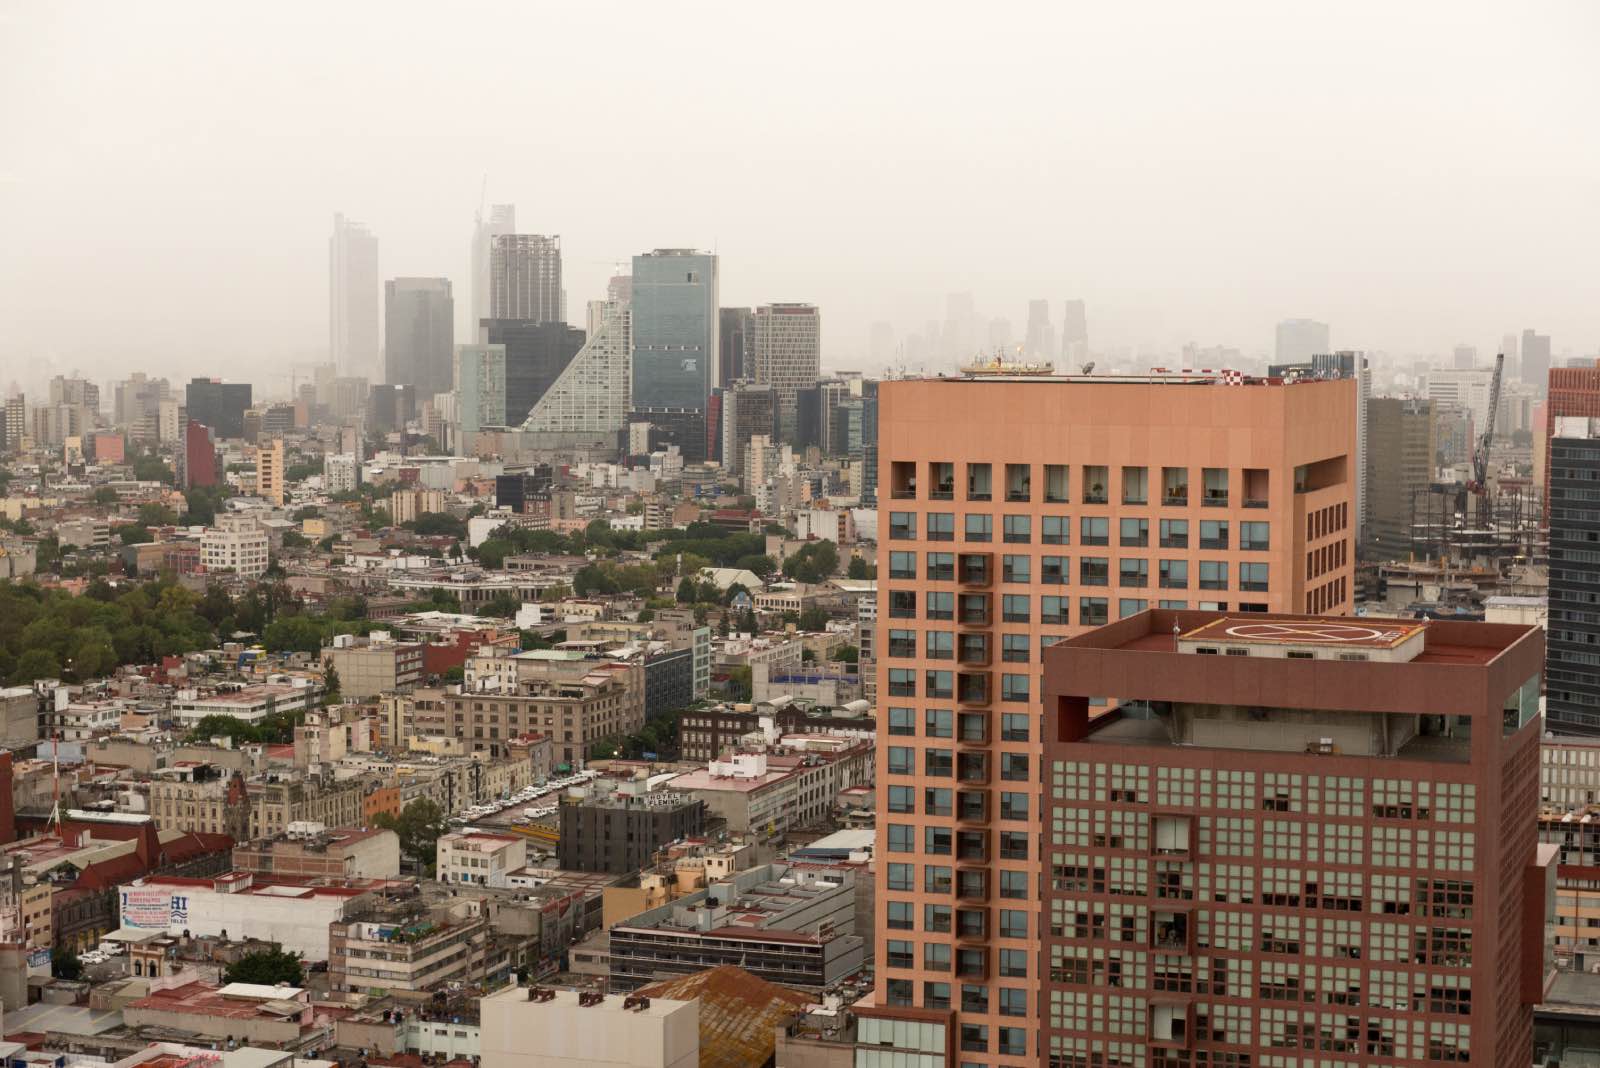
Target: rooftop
{"x":738,"y":1012}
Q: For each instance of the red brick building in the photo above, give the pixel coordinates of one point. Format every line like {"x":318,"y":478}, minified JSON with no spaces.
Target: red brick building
{"x":1295,"y":841}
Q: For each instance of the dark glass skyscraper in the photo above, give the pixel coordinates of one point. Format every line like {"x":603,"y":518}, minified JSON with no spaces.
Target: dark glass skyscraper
{"x":675,"y":328}
{"x":536,"y":354}
{"x":1572,"y":665}
{"x":419,"y":334}
{"x":219,"y":405}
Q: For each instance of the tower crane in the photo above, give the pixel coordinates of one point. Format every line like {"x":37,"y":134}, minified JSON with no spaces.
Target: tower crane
{"x":1479,"y":484}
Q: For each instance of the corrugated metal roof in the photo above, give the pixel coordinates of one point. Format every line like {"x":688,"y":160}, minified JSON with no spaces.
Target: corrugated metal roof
{"x":737,"y":1013}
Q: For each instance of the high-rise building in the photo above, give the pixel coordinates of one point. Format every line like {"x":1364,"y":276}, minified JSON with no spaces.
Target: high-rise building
{"x":817,"y":417}
{"x":199,"y":456}
{"x":1300,"y":339}
{"x":788,"y":356}
{"x":735,"y":340}
{"x":353,"y":298}
{"x":390,"y":407}
{"x":676,"y":325}
{"x":1465,"y":357}
{"x":341,"y":473}
{"x":480,"y":386}
{"x":536,"y":354}
{"x":217,"y":404}
{"x":869,"y":447}
{"x":1463,"y":389}
{"x":1100,"y":499}
{"x":1075,"y":335}
{"x":1574,"y":391}
{"x":748,"y":410}
{"x":525,"y":278}
{"x":16,"y":421}
{"x":1536,"y":360}
{"x":1040,"y":343}
{"x":502,"y":220}
{"x":1402,"y":443}
{"x":589,"y":399}
{"x":270,"y":472}
{"x":1572,"y":675}
{"x":419,"y":333}
{"x":1293,"y":834}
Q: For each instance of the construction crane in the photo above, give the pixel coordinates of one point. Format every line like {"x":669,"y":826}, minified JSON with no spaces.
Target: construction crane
{"x":1479,"y":485}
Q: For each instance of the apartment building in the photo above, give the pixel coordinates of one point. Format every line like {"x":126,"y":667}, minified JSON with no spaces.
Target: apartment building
{"x":237,"y":544}
{"x":1294,"y":839}
{"x":480,"y":859}
{"x":1102,"y":497}
{"x":207,"y":799}
{"x":374,"y":665}
{"x":408,"y":946}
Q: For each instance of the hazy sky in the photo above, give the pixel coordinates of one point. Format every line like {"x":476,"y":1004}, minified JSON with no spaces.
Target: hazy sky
{"x":1415,"y":174}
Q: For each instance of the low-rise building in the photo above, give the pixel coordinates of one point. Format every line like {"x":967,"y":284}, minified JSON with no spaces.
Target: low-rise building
{"x":535,"y":1027}
{"x":409,"y":946}
{"x":293,"y":912}
{"x":788,"y":924}
{"x":248,"y":704}
{"x":479,"y":859}
{"x":373,"y":665}
{"x":237,"y":544}
{"x":620,"y":832}
{"x":315,"y":852}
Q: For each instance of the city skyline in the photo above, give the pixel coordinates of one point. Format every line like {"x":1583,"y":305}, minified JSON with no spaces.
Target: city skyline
{"x":1343,"y":219}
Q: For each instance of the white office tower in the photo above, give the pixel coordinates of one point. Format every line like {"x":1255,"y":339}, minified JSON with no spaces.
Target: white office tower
{"x":502,"y":219}
{"x":591,"y":397}
{"x":788,"y":356}
{"x":341,"y":473}
{"x":353,"y":293}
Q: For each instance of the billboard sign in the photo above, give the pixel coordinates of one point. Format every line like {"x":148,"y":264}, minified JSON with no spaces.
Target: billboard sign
{"x":153,"y":908}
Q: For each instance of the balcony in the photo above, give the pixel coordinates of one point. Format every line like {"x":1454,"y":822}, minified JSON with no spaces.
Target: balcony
{"x":972,"y":846}
{"x":1171,"y":1024}
{"x":972,"y":925}
{"x":973,"y":728}
{"x":972,"y":807}
{"x":942,"y":479}
{"x":1171,"y":931}
{"x":974,"y":650}
{"x":1255,"y":487}
{"x":975,"y":610}
{"x":903,"y":480}
{"x":976,"y":569}
{"x":975,"y":688}
{"x":972,"y":962}
{"x":973,"y":768}
{"x":972,"y":884}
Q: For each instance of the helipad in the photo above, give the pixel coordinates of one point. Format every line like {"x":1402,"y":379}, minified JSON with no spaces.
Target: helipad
{"x":1365,"y":634}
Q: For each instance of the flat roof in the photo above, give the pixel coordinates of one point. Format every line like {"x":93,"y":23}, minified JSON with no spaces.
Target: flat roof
{"x":1250,"y":630}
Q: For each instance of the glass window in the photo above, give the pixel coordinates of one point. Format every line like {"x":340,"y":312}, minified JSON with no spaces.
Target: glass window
{"x":1014,"y":963}
{"x":1213,"y":534}
{"x":1056,"y":530}
{"x":935,"y":995}
{"x":902,"y":644}
{"x":1094,"y":530}
{"x":1215,"y":486}
{"x":899,"y":991}
{"x":975,"y":1037}
{"x":935,"y":879}
{"x":936,"y":956}
{"x":1253,"y":577}
{"x":1131,"y":606}
{"x":902,"y":565}
{"x":1175,"y":606}
{"x":941,"y":526}
{"x":1053,"y":611}
{"x":902,"y":721}
{"x":1135,"y":485}
{"x":902,"y":916}
{"x":940,"y":645}
{"x":1019,"y":482}
{"x":1013,"y":1040}
{"x":902,"y":799}
{"x":938,"y":919}
{"x":980,"y":527}
{"x":1095,"y":488}
{"x":902,"y":526}
{"x":980,"y":482}
{"x":1014,"y":767}
{"x":900,"y":953}
{"x":941,"y":567}
{"x":1053,"y":570}
{"x":1014,"y":726}
{"x":1013,"y":687}
{"x":941,"y":605}
{"x":1255,"y":537}
{"x":1016,"y":568}
{"x":1175,"y":574}
{"x":938,"y":684}
{"x":1175,"y":486}
{"x":1094,"y":571}
{"x":1055,"y":483}
{"x":1013,"y":805}
{"x":1014,"y":885}
{"x":900,"y":838}
{"x":937,"y":841}
{"x":1092,"y":611}
{"x":1014,"y":648}
{"x":901,"y":876}
{"x":974,"y":998}
{"x":902,"y":682}
{"x":937,"y":763}
{"x":1014,"y":608}
{"x":903,"y":604}
{"x":937,"y":800}
{"x":1018,"y":529}
{"x":938,"y":723}
{"x":1135,"y":532}
{"x":1174,"y":533}
{"x":1133,"y":572}
{"x":900,"y":760}
{"x":1213,"y":574}
{"x":1013,"y":1000}
{"x":942,"y":479}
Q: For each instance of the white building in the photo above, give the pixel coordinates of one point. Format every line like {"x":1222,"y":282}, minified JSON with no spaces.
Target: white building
{"x":480,"y":859}
{"x":249,"y":704}
{"x":406,"y":505}
{"x":291,"y":913}
{"x":1464,"y":389}
{"x":590,"y":398}
{"x":341,"y":473}
{"x":533,"y":1027}
{"x":788,"y":355}
{"x":238,"y":544}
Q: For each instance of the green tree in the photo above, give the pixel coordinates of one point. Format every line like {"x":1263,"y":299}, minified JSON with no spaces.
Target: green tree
{"x":330,"y":686}
{"x":502,"y":605}
{"x":433,"y":524}
{"x":419,"y":826}
{"x":740,"y":685}
{"x":816,"y":561}
{"x":591,"y":580}
{"x":132,"y":534}
{"x":156,"y":515}
{"x":859,"y":569}
{"x":268,"y":967}
{"x":688,"y":591}
{"x":35,"y":664}
{"x":760,"y":564}
{"x":105,"y":495}
{"x":813,"y":618}
{"x":846,"y":654}
{"x":64,"y":964}
{"x":148,"y":467}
